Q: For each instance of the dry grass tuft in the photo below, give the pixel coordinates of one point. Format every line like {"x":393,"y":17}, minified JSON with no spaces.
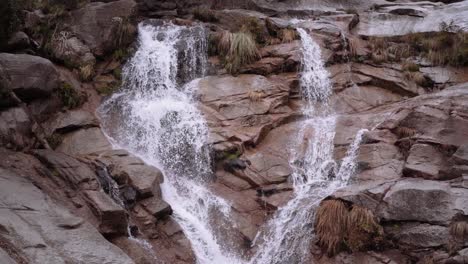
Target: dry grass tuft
{"x":405,"y":132}
{"x":410,"y":67}
{"x":339,"y":227}
{"x":331,"y":224}
{"x":242,"y":51}
{"x":419,"y":78}
{"x":459,"y":230}
{"x":255,"y":96}
{"x":288,"y":35}
{"x":363,"y":229}
{"x":87,"y":72}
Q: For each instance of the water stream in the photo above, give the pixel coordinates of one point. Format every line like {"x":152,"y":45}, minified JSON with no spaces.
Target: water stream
{"x":155,"y":117}
{"x":288,"y":235}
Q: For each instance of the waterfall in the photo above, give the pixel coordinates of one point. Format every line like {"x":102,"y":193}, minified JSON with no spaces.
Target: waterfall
{"x":155,"y":117}
{"x":288,"y":235}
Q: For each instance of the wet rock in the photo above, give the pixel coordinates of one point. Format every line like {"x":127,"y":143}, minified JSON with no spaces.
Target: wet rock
{"x":84,"y":141}
{"x":145,"y":179}
{"x":112,"y":217}
{"x":95,"y":23}
{"x":35,"y":225}
{"x":31,"y":77}
{"x":157,"y":207}
{"x":387,"y":78}
{"x":71,"y":170}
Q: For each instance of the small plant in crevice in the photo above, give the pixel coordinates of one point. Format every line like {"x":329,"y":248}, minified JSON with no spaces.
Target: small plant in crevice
{"x":69,"y":96}
{"x":255,"y":96}
{"x":86,"y":72}
{"x":109,"y":89}
{"x":288,"y":35}
{"x":458,"y":231}
{"x":54,"y":140}
{"x":410,"y":67}
{"x":123,"y":32}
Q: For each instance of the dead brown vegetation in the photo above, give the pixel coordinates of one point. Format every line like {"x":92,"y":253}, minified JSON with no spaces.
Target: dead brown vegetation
{"x":339,"y":226}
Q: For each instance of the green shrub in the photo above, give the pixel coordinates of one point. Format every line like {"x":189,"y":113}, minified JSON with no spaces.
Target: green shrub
{"x":108,"y":89}
{"x":69,"y":96}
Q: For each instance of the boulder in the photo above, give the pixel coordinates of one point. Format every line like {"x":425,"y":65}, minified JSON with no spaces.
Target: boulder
{"x":71,"y":170}
{"x":18,"y":41}
{"x":71,"y":50}
{"x":112,"y":217}
{"x":157,"y":207}
{"x":45,"y":232}
{"x":144,"y":178}
{"x":97,"y":23}
{"x":418,"y":200}
{"x":84,"y":141}
{"x":31,"y":77}
{"x":379,"y":161}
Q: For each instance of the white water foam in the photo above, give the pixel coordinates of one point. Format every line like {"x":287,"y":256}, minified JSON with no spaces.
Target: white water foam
{"x":288,"y":235}
{"x":155,"y":118}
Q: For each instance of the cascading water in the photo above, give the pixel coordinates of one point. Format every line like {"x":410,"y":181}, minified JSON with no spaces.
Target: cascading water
{"x":155,"y":117}
{"x":288,"y":235}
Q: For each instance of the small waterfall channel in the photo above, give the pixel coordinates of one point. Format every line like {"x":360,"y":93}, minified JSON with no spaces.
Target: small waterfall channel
{"x":155,"y":117}
{"x":288,"y":235}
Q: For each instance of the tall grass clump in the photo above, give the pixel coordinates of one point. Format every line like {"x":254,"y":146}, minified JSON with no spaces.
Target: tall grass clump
{"x":339,"y":226}
{"x":235,"y":49}
{"x":331,"y":224}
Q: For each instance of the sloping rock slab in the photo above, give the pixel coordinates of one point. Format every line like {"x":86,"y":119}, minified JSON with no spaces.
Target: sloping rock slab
{"x":47,"y":233}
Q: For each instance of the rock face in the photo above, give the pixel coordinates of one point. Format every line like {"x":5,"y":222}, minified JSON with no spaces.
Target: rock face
{"x":43,"y":232}
{"x":412,"y":163}
{"x":31,"y":77}
{"x":96,"y":23}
